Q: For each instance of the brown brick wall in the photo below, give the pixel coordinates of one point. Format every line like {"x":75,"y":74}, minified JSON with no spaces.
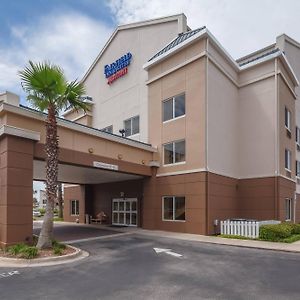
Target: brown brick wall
{"x":16,"y":176}
{"x":192,"y":186}
{"x":76,"y":192}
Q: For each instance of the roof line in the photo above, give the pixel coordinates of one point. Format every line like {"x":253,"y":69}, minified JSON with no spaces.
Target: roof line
{"x":30,"y":112}
{"x":166,"y":19}
{"x":202,"y":33}
{"x":255,"y":52}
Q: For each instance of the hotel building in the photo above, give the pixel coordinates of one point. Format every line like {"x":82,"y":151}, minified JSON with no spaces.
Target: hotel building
{"x":178,"y":135}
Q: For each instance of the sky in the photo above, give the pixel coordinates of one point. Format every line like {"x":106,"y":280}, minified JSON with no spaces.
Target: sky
{"x":71,"y":33}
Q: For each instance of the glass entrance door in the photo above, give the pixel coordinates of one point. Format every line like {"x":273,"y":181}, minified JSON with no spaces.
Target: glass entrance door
{"x":124,"y":212}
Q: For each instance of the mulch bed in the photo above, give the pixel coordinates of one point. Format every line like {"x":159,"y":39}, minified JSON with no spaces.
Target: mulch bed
{"x":41,"y":253}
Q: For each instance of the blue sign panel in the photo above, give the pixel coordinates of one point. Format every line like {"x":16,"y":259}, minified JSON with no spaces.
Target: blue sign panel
{"x":118,"y":68}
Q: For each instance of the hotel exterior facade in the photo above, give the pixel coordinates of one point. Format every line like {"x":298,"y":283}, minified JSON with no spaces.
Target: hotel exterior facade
{"x":179,"y":135}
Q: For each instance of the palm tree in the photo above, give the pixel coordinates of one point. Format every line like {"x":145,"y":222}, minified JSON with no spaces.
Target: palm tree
{"x":48,"y":91}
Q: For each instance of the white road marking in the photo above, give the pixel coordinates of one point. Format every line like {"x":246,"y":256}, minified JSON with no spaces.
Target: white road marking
{"x":167,"y":251}
{"x":9,"y":274}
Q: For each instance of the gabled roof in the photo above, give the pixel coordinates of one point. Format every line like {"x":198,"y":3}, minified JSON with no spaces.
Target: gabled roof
{"x":178,"y":40}
{"x":180,"y":18}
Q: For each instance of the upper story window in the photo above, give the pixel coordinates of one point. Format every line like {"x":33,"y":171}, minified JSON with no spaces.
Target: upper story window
{"x":108,"y":129}
{"x":174,"y":107}
{"x":174,"y":152}
{"x":288,"y":156}
{"x":132,"y":126}
{"x":298,"y":136}
{"x":287,"y":119}
{"x":298,"y":168}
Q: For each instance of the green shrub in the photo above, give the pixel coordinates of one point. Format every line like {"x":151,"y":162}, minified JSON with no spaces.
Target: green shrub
{"x":16,"y":249}
{"x":29,"y":252}
{"x":296,"y":228}
{"x":42,"y":211}
{"x":57,"y":250}
{"x":56,"y":244}
{"x":275,"y":232}
{"x":23,"y":250}
{"x":57,"y":219}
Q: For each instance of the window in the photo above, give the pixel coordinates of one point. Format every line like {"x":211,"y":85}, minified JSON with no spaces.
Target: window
{"x":288,"y":155}
{"x":287,"y":119}
{"x":174,"y":107}
{"x":173,"y":208}
{"x":108,"y":129}
{"x":174,"y":152}
{"x":298,"y":168}
{"x":288,"y":209}
{"x":74,"y":207}
{"x":132,"y":126}
{"x":298,"y":136}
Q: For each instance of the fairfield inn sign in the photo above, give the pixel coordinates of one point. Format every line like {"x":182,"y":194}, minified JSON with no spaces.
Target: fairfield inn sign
{"x":118,"y":68}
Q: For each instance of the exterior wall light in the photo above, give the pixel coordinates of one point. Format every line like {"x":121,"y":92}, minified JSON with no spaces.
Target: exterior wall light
{"x":120,"y":156}
{"x":91,"y":150}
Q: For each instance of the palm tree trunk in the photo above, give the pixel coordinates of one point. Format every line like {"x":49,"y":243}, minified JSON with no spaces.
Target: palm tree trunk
{"x":51,"y":149}
{"x":60,"y":200}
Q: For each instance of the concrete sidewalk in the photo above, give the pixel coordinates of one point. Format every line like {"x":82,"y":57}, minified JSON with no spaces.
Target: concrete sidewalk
{"x":293,"y":247}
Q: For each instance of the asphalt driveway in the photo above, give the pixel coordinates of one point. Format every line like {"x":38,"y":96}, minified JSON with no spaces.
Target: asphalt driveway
{"x":127,"y":267}
{"x":73,"y":231}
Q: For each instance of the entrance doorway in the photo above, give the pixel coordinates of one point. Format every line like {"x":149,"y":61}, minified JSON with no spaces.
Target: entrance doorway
{"x":124,"y":211}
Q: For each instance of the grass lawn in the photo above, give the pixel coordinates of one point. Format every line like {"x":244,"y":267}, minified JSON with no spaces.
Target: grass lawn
{"x":293,"y":238}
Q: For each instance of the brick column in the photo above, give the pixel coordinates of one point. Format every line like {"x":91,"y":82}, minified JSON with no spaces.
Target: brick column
{"x":16,"y":176}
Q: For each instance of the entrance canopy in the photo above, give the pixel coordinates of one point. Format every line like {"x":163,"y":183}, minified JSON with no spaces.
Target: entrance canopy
{"x":81,"y":175}
{"x":86,"y":156}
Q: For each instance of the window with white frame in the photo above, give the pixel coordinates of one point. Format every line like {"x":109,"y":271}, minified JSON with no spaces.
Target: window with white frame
{"x":173,"y":208}
{"x":287,"y":119}
{"x":298,"y":168}
{"x":288,"y":209}
{"x":288,"y":156}
{"x":173,"y":107}
{"x":174,"y":152}
{"x":108,"y":129}
{"x":132,"y":126}
{"x":298,"y":135}
{"x":74,"y":207}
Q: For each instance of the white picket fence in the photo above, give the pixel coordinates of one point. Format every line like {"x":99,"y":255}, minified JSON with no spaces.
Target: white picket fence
{"x":248,"y":229}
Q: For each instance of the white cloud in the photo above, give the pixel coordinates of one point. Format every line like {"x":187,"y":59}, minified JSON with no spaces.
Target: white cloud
{"x":70,"y":40}
{"x":240,"y":26}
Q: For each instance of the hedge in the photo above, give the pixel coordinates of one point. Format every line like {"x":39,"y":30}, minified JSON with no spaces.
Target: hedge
{"x":275,"y":232}
{"x":278,"y":232}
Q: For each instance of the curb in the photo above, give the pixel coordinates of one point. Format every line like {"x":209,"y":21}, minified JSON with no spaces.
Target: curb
{"x":45,"y":261}
{"x":226,"y":243}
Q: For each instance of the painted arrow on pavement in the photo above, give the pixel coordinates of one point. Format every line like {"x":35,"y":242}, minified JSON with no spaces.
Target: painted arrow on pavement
{"x":167,"y":251}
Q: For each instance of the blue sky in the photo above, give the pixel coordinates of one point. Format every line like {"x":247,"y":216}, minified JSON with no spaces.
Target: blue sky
{"x":71,"y":33}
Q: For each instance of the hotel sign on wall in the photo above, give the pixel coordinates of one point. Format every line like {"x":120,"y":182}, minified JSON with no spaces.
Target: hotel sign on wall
{"x":118,"y":68}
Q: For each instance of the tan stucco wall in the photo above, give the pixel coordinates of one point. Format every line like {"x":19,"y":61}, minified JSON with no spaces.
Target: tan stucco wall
{"x":222,"y":123}
{"x":191,"y":80}
{"x":127,"y":96}
{"x":257,"y":125}
{"x":82,"y":142}
{"x":286,"y":99}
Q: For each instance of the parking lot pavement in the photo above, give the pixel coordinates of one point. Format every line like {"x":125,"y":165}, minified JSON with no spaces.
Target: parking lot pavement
{"x":127,"y":267}
{"x":73,"y":231}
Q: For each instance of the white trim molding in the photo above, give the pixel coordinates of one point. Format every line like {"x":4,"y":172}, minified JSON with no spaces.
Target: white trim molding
{"x":19,"y":132}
